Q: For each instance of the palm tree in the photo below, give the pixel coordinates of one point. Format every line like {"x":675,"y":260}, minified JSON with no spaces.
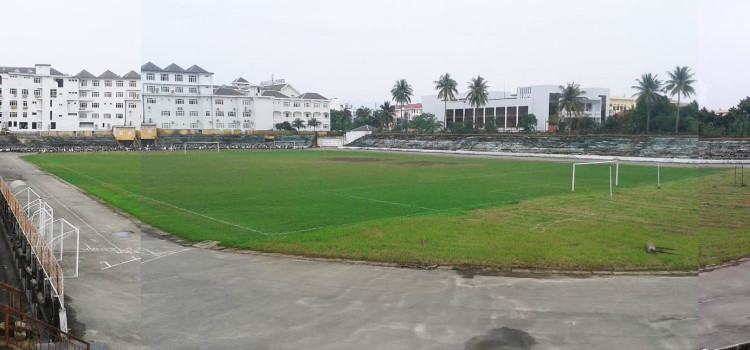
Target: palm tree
{"x":402,"y":93}
{"x":313,"y":122}
{"x":680,"y":84}
{"x":571,"y":99}
{"x":477,"y":95}
{"x":446,"y":88}
{"x":648,"y":89}
{"x":298,"y":124}
{"x":385,"y":115}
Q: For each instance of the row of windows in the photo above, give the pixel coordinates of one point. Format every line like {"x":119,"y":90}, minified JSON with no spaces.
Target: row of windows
{"x":96,"y":105}
{"x":165,"y":89}
{"x":107,"y":83}
{"x":177,"y":77}
{"x":232,"y":125}
{"x":181,"y":113}
{"x":104,"y":116}
{"x":25,"y":92}
{"x":307,"y":115}
{"x":307,"y":104}
{"x":194,"y":101}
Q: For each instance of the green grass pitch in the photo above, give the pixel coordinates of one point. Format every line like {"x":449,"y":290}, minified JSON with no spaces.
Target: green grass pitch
{"x":404,"y":208}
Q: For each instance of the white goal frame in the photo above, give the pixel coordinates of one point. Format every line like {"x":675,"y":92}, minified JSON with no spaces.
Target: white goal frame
{"x":617,"y":172}
{"x":218,"y":145}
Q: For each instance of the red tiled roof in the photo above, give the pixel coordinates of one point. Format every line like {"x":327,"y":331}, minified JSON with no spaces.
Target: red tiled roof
{"x":410,"y":106}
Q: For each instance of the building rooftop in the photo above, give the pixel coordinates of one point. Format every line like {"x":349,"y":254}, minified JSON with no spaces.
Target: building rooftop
{"x":240,"y":80}
{"x":227,"y":91}
{"x":108,"y":74}
{"x":84,"y":74}
{"x":273,"y":93}
{"x":132,"y":75}
{"x":150,"y":67}
{"x":312,"y":96}
{"x":196,"y":69}
{"x":28,"y":70}
{"x":173,"y":68}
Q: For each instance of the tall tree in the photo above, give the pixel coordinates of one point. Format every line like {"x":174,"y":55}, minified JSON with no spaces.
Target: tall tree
{"x":648,"y":89}
{"x":385,"y":114}
{"x":447,"y":90}
{"x":477,"y":95}
{"x":298,"y":124}
{"x":314,"y":123}
{"x":402,"y":94}
{"x":680,"y":83}
{"x":571,"y":100}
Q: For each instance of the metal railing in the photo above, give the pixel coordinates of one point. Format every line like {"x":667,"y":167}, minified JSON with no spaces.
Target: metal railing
{"x":21,"y":331}
{"x":11,"y":297}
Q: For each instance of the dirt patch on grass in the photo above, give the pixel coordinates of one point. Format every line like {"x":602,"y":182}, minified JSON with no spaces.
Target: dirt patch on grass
{"x":355,"y":160}
{"x":432,"y":163}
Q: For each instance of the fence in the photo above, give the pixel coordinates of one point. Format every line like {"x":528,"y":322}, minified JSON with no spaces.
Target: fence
{"x":22,"y":331}
{"x":11,"y":297}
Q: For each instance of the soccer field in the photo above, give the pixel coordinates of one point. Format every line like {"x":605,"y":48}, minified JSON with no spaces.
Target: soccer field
{"x":412,"y":209}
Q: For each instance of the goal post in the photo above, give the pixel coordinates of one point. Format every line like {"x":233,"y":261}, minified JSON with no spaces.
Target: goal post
{"x":617,"y":171}
{"x":185,"y":145}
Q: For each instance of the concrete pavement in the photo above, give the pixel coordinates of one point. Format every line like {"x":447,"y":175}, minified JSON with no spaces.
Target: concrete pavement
{"x":724,"y":306}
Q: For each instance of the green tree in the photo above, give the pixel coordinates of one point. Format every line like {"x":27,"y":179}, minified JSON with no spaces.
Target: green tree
{"x":341,"y":119}
{"x":384,"y":115}
{"x":284,"y":126}
{"x":477,"y":96}
{"x":364,"y":116}
{"x":402,"y":93}
{"x":571,"y":100}
{"x":680,"y":83}
{"x":426,"y":122}
{"x":446,"y":87}
{"x":298,"y":124}
{"x":490,"y":124}
{"x":648,"y":89}
{"x":528,"y":122}
{"x":314,"y":123}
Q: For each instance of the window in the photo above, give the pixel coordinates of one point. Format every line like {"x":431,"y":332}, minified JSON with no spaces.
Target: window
{"x":316,"y":105}
{"x":192,"y":78}
{"x":95,"y":94}
{"x":108,"y":94}
{"x":325,"y":105}
{"x":131,"y":105}
{"x":131,"y":83}
{"x":83,"y":105}
{"x":179,"y":101}
{"x":25,"y":92}
{"x":180,"y":113}
{"x":38,"y":92}
{"x":165,"y":125}
{"x":119,"y":94}
{"x":14,"y":114}
{"x":219,"y":102}
{"x":95,"y":105}
{"x":37,"y":80}
{"x":296,"y":103}
{"x":25,"y":104}
{"x":118,"y":115}
{"x":151,"y":88}
{"x":84,"y":94}
{"x":245,"y":102}
{"x":178,"y":77}
{"x":119,"y":105}
{"x":150,"y":100}
{"x":178,"y":89}
{"x":165,"y":113}
{"x":108,"y":83}
{"x":107,"y":116}
{"x":95,"y":115}
{"x":119,"y":83}
{"x":286,"y":103}
{"x":307,"y":104}
{"x":53,"y":93}
{"x":13,"y":91}
{"x":165,"y":89}
{"x":193,"y":125}
{"x":13,"y":103}
{"x":53,"y":125}
{"x":149,"y":76}
{"x":193,"y":90}
{"x":246,"y":114}
{"x":232,"y":114}
{"x":84,"y":83}
{"x":193,"y":113}
{"x":164,"y":77}
{"x":193,"y":101}
{"x":95,"y":83}
{"x":133,"y":95}
{"x":588,"y":107}
{"x":208,"y":113}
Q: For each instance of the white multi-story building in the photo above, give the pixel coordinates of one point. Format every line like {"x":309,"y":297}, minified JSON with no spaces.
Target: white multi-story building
{"x":177,"y":98}
{"x":36,"y":99}
{"x":44,"y":99}
{"x":108,"y":100}
{"x":408,"y":111}
{"x":540,"y":100}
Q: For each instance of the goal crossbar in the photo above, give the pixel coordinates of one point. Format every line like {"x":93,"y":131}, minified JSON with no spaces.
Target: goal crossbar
{"x":184,"y":146}
{"x":617,"y":171}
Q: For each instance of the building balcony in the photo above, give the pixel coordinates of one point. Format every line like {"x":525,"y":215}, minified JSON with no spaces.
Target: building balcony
{"x":13,"y":107}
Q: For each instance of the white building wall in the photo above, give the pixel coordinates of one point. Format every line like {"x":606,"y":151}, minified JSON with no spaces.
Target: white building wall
{"x":161,"y":97}
{"x":44,"y":107}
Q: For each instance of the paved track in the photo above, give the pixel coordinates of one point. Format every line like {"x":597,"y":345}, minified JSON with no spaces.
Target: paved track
{"x":725,"y":306}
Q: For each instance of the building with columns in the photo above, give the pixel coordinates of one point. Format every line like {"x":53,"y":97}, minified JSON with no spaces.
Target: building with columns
{"x":507,"y":108}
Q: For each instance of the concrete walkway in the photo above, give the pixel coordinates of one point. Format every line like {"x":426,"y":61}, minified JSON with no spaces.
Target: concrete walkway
{"x":150,"y":292}
{"x":725,"y":306}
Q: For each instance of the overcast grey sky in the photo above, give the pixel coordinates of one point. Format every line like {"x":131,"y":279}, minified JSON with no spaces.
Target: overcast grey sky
{"x":72,"y":34}
{"x":355,"y":50}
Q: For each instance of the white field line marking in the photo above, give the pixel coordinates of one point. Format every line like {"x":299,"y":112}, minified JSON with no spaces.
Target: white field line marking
{"x":161,"y":255}
{"x":166,"y":204}
{"x":132,"y":258}
{"x":377,"y":200}
{"x":40,"y":187}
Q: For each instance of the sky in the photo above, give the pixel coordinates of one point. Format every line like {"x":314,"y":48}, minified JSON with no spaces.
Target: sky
{"x":356,"y":50}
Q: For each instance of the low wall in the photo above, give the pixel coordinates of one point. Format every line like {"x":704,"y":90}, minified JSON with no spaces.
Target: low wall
{"x":617,"y":146}
{"x":331,"y":141}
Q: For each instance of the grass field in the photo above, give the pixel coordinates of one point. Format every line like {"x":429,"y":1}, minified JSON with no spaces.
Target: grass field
{"x":412,"y":209}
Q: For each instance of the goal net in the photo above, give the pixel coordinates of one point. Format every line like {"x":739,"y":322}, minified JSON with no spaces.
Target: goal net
{"x":613,"y":165}
{"x":201,"y":146}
